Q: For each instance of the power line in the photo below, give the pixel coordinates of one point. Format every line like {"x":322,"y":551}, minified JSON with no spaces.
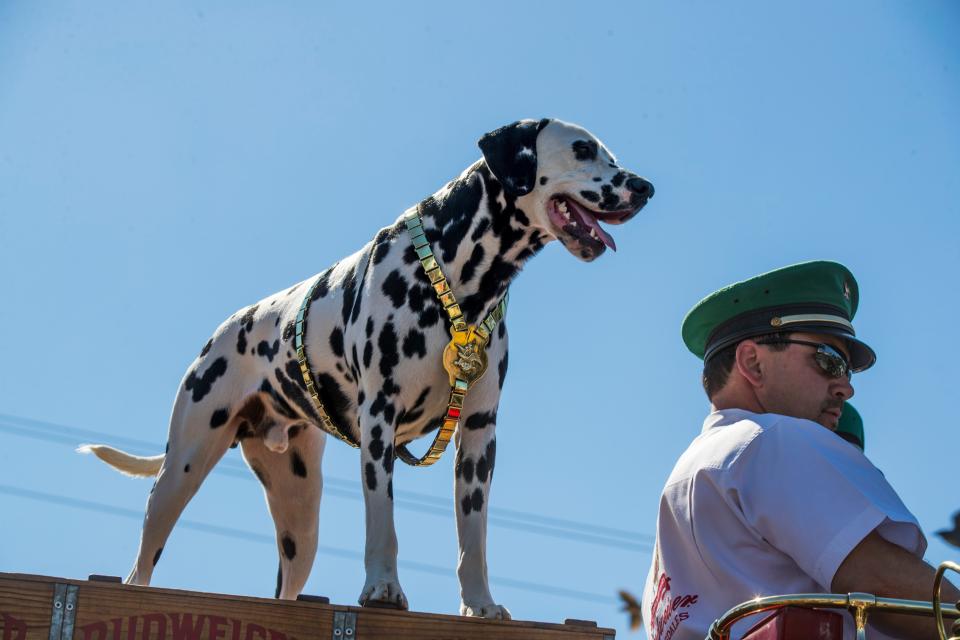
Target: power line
{"x":240,"y":534}
{"x":349,"y":489}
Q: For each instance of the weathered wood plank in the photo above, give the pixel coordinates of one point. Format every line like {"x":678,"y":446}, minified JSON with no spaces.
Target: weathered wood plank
{"x":110,"y":611}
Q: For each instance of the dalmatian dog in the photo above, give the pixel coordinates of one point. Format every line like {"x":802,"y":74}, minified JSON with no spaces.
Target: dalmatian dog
{"x":374,"y":336}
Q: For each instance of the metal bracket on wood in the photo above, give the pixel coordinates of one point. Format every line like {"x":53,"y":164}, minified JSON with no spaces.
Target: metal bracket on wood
{"x":64,"y":611}
{"x":344,"y":625}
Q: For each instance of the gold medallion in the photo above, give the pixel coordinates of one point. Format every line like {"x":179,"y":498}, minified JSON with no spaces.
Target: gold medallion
{"x":465,"y":357}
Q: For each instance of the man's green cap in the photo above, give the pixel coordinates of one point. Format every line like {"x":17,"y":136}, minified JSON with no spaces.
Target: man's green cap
{"x":850,"y":426}
{"x":814,"y":297}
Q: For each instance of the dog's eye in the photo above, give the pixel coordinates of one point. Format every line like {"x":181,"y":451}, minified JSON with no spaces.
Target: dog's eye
{"x":585,"y":150}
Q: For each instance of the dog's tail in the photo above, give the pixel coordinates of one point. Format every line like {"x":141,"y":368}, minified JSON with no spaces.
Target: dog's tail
{"x":137,"y":466}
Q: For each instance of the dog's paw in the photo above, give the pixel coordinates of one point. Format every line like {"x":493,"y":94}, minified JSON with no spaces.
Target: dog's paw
{"x":491,"y":611}
{"x":383,"y":592}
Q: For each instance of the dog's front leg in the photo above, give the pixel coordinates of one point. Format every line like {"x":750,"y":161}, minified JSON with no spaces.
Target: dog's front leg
{"x":376,"y":468}
{"x":476,"y":454}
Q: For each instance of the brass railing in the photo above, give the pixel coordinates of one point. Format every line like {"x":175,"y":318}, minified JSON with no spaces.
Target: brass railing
{"x":859,"y":604}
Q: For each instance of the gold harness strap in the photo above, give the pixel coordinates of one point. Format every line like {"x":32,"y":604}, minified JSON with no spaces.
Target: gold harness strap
{"x":464,"y":358}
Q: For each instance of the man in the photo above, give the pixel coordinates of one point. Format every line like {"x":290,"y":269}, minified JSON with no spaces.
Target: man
{"x":766,"y":500}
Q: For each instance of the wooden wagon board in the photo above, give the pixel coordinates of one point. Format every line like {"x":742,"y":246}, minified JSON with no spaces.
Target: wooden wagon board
{"x":45,"y":608}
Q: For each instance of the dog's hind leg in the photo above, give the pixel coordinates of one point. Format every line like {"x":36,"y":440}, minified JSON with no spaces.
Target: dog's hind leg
{"x":292,"y":484}
{"x":199,"y":436}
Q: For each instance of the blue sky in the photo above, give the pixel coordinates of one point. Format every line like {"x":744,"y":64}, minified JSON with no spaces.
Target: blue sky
{"x":165,"y":164}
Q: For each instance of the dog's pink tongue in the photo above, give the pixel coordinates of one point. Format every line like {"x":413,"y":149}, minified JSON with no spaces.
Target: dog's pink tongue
{"x":606,"y":237}
{"x":588,"y":220}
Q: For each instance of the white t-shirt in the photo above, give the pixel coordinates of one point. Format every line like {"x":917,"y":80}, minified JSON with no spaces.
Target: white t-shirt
{"x":759,"y":505}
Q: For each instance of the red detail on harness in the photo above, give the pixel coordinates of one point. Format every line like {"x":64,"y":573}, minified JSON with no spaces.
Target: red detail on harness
{"x":453,"y":412}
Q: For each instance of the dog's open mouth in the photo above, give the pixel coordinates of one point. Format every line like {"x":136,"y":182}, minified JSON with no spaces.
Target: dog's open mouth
{"x":583,"y":224}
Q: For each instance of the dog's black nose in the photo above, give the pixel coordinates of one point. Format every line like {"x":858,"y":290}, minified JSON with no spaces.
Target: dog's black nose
{"x":640,"y":187}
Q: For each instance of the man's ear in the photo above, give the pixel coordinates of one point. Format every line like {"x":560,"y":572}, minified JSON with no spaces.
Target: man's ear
{"x":511,"y":154}
{"x":748,"y":363}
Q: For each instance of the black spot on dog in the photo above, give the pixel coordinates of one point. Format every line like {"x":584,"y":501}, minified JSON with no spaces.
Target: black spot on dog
{"x":201,"y":386}
{"x":293,"y":370}
{"x":466,"y":504}
{"x":501,"y":330}
{"x":492,"y":285}
{"x":335,"y":402}
{"x":395,"y":288}
{"x":480,"y":229}
{"x":246,"y":320}
{"x":480,"y":420}
{"x":502,"y":369}
{"x":417,"y":298}
{"x":186,"y":468}
{"x":369,"y":328}
{"x":414,"y":344}
{"x":336,"y":342}
{"x":543,"y":180}
{"x":410,"y":255}
{"x":242,"y":342}
{"x":465,"y":470}
{"x":376,"y":444}
{"x":279,"y":579}
{"x":280,"y":403}
{"x":598,"y":179}
{"x":483,"y":469}
{"x":289,"y":331}
{"x":470,"y":266}
{"x":206,"y":348}
{"x":356,"y":361}
{"x":590,"y":196}
{"x":289,"y":547}
{"x":476,"y":499}
{"x":389,"y":355}
{"x":261,"y":474}
{"x":277,"y":321}
{"x":382,"y":245}
{"x":294,"y":431}
{"x":491,"y":455}
{"x":219,"y":418}
{"x":390,"y":488}
{"x":618,"y":179}
{"x":367,"y":354}
{"x":297,"y":465}
{"x":264,"y":349}
{"x":322,"y":287}
{"x":156,"y":556}
{"x":389,"y":412}
{"x":388,"y":457}
{"x":167,"y":448}
{"x":584,"y":150}
{"x":361,"y":398}
{"x":349,"y":294}
{"x":377,"y":406}
{"x":371,"y":474}
{"x":429,"y":317}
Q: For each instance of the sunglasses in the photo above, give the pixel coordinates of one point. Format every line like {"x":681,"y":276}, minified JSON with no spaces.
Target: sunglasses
{"x":833,"y":363}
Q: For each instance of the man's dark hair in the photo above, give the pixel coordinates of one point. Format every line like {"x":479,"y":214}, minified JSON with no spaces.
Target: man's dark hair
{"x":716,"y":370}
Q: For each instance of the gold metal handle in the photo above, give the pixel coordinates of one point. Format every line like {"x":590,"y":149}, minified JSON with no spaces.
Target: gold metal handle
{"x":938,"y":597}
{"x":858,"y":603}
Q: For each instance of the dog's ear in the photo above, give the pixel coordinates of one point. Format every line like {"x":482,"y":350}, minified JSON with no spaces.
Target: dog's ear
{"x":511,"y":154}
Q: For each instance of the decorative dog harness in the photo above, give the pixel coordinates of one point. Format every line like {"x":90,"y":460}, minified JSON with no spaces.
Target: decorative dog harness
{"x":464,"y":358}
